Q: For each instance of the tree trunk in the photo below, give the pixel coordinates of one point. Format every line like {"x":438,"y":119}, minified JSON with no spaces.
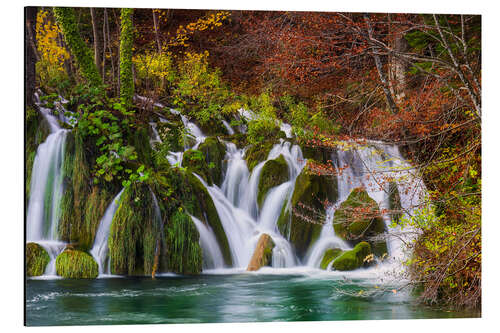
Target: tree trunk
{"x":398,"y":68}
{"x":156,"y":25}
{"x":30,"y":56}
{"x":97,"y":44}
{"x":126,"y":43}
{"x":65,"y":18}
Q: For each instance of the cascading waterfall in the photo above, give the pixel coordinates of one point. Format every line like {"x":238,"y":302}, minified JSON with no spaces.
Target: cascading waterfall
{"x":100,"y":248}
{"x":46,"y":192}
{"x":236,"y":204}
{"x":212,"y":255}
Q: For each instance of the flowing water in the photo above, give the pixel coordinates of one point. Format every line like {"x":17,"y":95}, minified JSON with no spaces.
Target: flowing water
{"x":100,"y":248}
{"x":286,"y":296}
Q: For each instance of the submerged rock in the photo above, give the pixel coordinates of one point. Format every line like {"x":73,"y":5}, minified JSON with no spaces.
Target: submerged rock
{"x":352,"y":259}
{"x":302,"y":220}
{"x":329,"y":256}
{"x":358,"y":219}
{"x":36,"y":259}
{"x":263,"y":253}
{"x":274,"y":173}
{"x":74,"y":264}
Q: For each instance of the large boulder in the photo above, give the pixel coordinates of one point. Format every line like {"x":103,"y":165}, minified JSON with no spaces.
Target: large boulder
{"x":352,"y":259}
{"x":358,"y":219}
{"x":302,"y":219}
{"x":36,"y":259}
{"x":263,"y":253}
{"x":74,"y":264}
{"x":214,"y":152}
{"x":329,"y":256}
{"x":274,"y":173}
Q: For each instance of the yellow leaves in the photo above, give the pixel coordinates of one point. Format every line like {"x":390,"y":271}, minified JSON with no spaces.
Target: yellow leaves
{"x":208,"y":22}
{"x":48,"y":44}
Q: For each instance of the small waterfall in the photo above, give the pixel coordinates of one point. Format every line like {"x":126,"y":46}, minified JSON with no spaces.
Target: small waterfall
{"x":100,"y":248}
{"x":53,"y":249}
{"x":228,"y":127}
{"x":212,"y":255}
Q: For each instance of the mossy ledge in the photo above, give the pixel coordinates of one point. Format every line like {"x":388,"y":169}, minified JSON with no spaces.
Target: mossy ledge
{"x":352,"y":259}
{"x":310,"y":193}
{"x":329,"y":256}
{"x":214,"y":152}
{"x":134,"y":233}
{"x":358,"y":219}
{"x":183,"y":251}
{"x":74,"y":264}
{"x":274,"y":173}
{"x":36,"y":259}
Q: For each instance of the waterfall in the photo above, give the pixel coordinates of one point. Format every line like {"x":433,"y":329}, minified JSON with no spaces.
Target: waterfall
{"x":228,"y":127}
{"x":100,"y":248}
{"x":212,"y":255}
{"x":236,"y":204}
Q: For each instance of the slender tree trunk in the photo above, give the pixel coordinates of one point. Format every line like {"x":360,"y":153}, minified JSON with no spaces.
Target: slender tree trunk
{"x":97,"y":44}
{"x":126,"y":43}
{"x":156,"y":25}
{"x":103,"y":72}
{"x":65,"y":18}
{"x":378,"y":64}
{"x":30,"y":56}
{"x":398,"y":68}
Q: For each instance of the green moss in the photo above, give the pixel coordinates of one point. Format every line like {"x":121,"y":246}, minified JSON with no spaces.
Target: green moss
{"x":134,"y":233}
{"x":194,"y":161}
{"x":126,"y":45}
{"x":257,"y":153}
{"x":214,"y":152}
{"x":353,"y":259}
{"x":274,"y":173}
{"x":239,"y":139}
{"x":183,"y":251}
{"x":74,"y":264}
{"x":140,"y":141}
{"x":65,"y":17}
{"x":329,"y":255}
{"x":358,"y":218}
{"x":307,"y":207}
{"x":36,"y":259}
{"x":171,"y":133}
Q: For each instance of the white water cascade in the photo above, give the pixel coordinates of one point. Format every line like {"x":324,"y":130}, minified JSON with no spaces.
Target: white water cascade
{"x":236,"y":204}
{"x":100,"y":248}
{"x":46,"y":192}
{"x":212,"y":255}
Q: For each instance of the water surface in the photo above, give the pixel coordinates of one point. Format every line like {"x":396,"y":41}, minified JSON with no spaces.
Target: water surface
{"x":218,"y":298}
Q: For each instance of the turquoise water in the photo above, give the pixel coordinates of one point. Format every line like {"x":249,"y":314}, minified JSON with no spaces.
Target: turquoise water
{"x":217,"y":298}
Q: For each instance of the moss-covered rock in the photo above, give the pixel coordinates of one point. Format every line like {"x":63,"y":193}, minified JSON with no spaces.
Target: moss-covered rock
{"x":214,"y":152}
{"x":274,"y":173}
{"x":257,"y":153}
{"x":352,"y":259}
{"x":36,"y":259}
{"x":239,"y":139}
{"x":194,"y":161}
{"x":74,"y":264}
{"x":183,"y":251}
{"x":358,"y":218}
{"x":329,"y":255}
{"x":302,"y":220}
{"x":320,"y":154}
{"x":263,"y":254}
{"x":176,"y":188}
{"x":134,"y":232}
